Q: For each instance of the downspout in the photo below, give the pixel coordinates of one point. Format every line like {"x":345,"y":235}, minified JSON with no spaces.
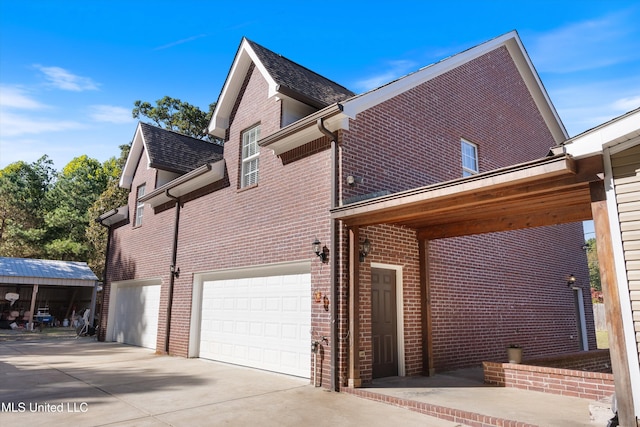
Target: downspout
{"x":334,"y":258}
{"x":173,"y":272}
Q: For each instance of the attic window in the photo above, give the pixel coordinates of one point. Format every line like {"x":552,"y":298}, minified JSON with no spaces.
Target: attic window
{"x":250,"y":155}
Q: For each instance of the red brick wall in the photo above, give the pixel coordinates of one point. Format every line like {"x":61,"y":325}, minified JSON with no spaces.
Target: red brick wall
{"x":554,"y":379}
{"x":487,"y":291}
{"x":273,"y":222}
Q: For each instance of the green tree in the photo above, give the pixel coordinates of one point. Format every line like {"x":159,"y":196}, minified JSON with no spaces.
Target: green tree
{"x":23,"y":190}
{"x":173,"y":114}
{"x":78,"y":186}
{"x":112,"y":197}
{"x":594,"y":268}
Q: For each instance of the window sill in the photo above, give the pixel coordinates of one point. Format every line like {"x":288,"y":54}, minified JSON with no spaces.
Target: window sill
{"x":248,"y":187}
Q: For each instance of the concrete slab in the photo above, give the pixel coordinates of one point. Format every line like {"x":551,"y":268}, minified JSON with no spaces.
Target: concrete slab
{"x":465,"y":391}
{"x":55,"y":382}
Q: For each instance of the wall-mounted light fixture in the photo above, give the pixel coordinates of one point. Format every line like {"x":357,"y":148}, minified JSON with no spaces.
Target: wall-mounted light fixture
{"x":571,"y":280}
{"x":365,"y":248}
{"x":323,"y":252}
{"x":174,"y":272}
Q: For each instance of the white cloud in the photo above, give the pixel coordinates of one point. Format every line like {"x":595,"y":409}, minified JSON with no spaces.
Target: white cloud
{"x":17,"y":125}
{"x":394,"y":70}
{"x":584,"y":106}
{"x":65,"y":80}
{"x":627,"y":104}
{"x":166,"y":46}
{"x":609,"y":40}
{"x":16,"y":97}
{"x":110,"y":114}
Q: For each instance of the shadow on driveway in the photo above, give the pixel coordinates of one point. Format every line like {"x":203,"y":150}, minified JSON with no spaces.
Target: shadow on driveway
{"x":81,"y":382}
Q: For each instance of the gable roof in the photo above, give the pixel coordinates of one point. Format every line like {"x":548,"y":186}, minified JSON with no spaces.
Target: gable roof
{"x":336,"y":116}
{"x":167,"y":150}
{"x":299,"y":82}
{"x":284,"y":77}
{"x":45,"y":272}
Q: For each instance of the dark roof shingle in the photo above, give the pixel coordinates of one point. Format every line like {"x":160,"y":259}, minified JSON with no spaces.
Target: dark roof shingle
{"x":172,"y":151}
{"x":300,"y":80}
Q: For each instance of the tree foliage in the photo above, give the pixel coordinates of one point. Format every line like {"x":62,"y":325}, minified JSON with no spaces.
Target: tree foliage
{"x":594,"y":268}
{"x":23,"y":203}
{"x":112,"y":197}
{"x":173,"y":114}
{"x":46,"y":214}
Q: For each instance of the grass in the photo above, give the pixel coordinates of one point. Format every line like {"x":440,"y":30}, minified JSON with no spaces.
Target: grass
{"x":602,"y":338}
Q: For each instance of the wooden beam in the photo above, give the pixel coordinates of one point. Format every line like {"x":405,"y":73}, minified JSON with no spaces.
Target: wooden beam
{"x":354,"y":308}
{"x":34,"y":295}
{"x":613,"y":309}
{"x":476,"y":224}
{"x":460,"y":194}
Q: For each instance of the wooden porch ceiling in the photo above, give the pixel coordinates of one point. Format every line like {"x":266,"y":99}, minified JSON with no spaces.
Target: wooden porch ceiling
{"x":547,"y":191}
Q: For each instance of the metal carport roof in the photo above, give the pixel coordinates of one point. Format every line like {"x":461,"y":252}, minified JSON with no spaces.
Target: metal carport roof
{"x":27,"y":271}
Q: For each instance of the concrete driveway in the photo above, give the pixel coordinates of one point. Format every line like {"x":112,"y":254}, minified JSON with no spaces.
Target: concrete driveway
{"x":64,"y":382}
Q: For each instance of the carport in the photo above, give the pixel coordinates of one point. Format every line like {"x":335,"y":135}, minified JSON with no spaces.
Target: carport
{"x":557,"y":189}
{"x":19,"y":274}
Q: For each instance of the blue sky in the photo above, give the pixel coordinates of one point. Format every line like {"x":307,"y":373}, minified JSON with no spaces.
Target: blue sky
{"x":71,"y":70}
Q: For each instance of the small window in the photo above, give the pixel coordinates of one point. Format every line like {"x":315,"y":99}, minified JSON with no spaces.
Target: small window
{"x":139,"y":205}
{"x":469,"y":158}
{"x":250,"y":155}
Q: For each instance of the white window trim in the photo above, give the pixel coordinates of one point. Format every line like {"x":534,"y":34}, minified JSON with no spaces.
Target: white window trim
{"x":475,"y":149}
{"x":139,"y":205}
{"x":247,"y":160}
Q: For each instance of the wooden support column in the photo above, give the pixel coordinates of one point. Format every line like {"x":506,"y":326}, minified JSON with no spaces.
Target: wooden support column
{"x":425,"y":309}
{"x":354,"y":309}
{"x":34,"y":295}
{"x":613,"y":310}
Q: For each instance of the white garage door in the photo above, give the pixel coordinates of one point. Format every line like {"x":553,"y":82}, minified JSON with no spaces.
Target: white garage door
{"x":135,"y":315}
{"x":261,"y":322}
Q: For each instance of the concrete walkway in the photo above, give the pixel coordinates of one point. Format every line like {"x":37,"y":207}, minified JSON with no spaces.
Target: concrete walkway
{"x":61,"y":381}
{"x":462,"y":396}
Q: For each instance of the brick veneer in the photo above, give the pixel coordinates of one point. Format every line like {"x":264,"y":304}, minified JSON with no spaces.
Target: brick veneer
{"x":485,"y":291}
{"x":467,"y":418}
{"x":559,"y":375}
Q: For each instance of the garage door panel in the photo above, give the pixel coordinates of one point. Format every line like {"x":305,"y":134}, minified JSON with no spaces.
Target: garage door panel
{"x":136,"y":320}
{"x":262,"y":322}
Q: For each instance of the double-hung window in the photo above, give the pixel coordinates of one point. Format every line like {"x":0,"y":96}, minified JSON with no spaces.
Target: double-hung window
{"x":139,"y":205}
{"x":469,"y":158}
{"x":250,"y":155}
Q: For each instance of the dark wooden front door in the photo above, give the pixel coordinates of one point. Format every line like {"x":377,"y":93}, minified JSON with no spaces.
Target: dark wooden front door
{"x":383,"y":323}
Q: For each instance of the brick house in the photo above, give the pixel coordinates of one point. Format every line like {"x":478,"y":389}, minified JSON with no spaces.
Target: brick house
{"x":249,"y":255}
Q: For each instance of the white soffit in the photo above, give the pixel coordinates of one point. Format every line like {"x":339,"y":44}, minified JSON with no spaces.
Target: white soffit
{"x":133,"y":158}
{"x":186,"y":184}
{"x":245,"y":56}
{"x":606,"y":135}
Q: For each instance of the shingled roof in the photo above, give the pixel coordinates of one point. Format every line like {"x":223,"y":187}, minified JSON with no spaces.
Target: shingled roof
{"x":172,"y":151}
{"x":300,"y":80}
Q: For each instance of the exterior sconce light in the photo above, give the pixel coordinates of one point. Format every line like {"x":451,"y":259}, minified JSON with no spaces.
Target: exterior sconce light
{"x":174,"y":272}
{"x":323,"y":252}
{"x":365,"y":248}
{"x":325,"y":302}
{"x":571,"y":280}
